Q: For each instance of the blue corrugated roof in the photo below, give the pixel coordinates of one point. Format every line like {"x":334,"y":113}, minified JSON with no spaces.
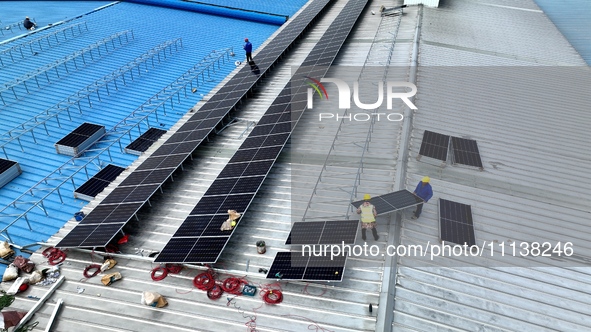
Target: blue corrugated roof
{"x":573,"y":19}
{"x":201,"y":34}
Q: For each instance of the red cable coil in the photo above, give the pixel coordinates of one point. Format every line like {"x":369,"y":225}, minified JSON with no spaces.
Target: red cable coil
{"x":54,"y":255}
{"x":86,"y":272}
{"x":233,"y":285}
{"x":272,"y":296}
{"x":204,"y":281}
{"x":215,"y":292}
{"x":160,"y":276}
{"x":174,"y":268}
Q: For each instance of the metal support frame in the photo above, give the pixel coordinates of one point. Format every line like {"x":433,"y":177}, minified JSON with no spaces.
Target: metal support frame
{"x":388,"y":29}
{"x":54,"y":181}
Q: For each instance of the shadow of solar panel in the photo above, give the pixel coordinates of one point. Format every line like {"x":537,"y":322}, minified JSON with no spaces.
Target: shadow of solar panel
{"x":221,"y":187}
{"x":213,"y":228}
{"x":434,"y":145}
{"x":258,"y":168}
{"x":176,"y":250}
{"x":236,"y":202}
{"x":455,"y":223}
{"x":339,"y":231}
{"x":305,"y":232}
{"x":208,"y":205}
{"x":91,"y":187}
{"x":233,"y":170}
{"x":207,"y":250}
{"x":243,"y":155}
{"x":248,"y":185}
{"x":268,"y":153}
{"x":193,"y":226}
{"x":465,"y":152}
{"x":102,"y":235}
{"x":109,"y":173}
{"x":288,"y":266}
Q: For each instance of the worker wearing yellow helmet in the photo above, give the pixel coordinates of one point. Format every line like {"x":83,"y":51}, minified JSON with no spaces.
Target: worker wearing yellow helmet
{"x":367,"y":217}
{"x":425,"y":192}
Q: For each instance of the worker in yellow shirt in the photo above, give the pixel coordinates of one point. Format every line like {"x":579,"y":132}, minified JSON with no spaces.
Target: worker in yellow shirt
{"x":368,"y":215}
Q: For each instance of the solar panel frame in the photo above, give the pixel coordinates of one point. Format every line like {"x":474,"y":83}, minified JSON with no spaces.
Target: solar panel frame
{"x":465,"y":152}
{"x":455,"y":223}
{"x":434,"y":145}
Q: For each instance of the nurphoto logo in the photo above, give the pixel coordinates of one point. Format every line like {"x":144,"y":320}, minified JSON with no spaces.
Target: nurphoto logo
{"x":344,"y":94}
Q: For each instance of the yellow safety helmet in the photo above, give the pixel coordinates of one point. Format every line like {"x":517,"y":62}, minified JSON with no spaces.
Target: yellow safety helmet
{"x":366,"y":197}
{"x":426,"y":179}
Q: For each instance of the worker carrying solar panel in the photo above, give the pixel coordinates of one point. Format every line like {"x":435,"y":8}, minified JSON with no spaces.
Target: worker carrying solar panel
{"x":368,"y":213}
{"x":424,"y":191}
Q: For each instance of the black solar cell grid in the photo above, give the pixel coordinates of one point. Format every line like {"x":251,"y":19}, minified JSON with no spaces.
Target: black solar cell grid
{"x":434,"y":145}
{"x":135,"y":178}
{"x":140,"y":145}
{"x":5,"y":164}
{"x":253,"y":142}
{"x":207,"y":249}
{"x":201,"y":114}
{"x":176,"y":250}
{"x":339,"y":231}
{"x":186,"y":147}
{"x":269,"y":119}
{"x":173,"y":161}
{"x":248,"y":185}
{"x":305,"y":232}
{"x":109,"y":172}
{"x":165,"y":150}
{"x":157,"y":176}
{"x":328,"y":268}
{"x":98,"y":215}
{"x":221,"y":187}
{"x":213,"y":228}
{"x":208,"y":205}
{"x":193,"y":226}
{"x":210,"y":123}
{"x":123,"y":212}
{"x":284,"y":127}
{"x":118,"y":195}
{"x":153,"y":134}
{"x":72,"y":140}
{"x":268,"y":153}
{"x":392,"y":201}
{"x":151,"y":163}
{"x":233,"y":170}
{"x":278,"y":139}
{"x":288,"y":266}
{"x":197,"y":135}
{"x":243,"y":155}
{"x":237,"y":202}
{"x":258,"y":168}
{"x":274,"y":109}
{"x":190,"y":125}
{"x":103,"y":234}
{"x":141,"y":193}
{"x":92,"y":187}
{"x":219,"y":112}
{"x":465,"y":152}
{"x":456,"y":223}
{"x":87,"y":129}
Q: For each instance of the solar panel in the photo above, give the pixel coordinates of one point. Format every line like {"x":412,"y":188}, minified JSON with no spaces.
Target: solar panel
{"x":391,"y":202}
{"x":96,"y":184}
{"x":5,"y":164}
{"x":143,"y":143}
{"x":323,"y":232}
{"x":465,"y":152}
{"x":455,"y":223}
{"x":295,"y":266}
{"x":434,"y":145}
{"x":79,"y":139}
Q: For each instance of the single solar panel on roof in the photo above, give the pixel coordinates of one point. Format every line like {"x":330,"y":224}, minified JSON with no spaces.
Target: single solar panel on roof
{"x":455,"y":223}
{"x":143,"y":143}
{"x":296,"y":265}
{"x":434,"y":145}
{"x":96,"y":184}
{"x":79,"y":139}
{"x":323,"y":232}
{"x":465,"y":152}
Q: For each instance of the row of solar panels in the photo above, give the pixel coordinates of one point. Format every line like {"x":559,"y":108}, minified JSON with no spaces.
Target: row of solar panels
{"x":199,"y":238}
{"x":101,"y":225}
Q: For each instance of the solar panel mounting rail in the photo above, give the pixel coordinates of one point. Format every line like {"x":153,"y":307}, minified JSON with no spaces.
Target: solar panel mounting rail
{"x":199,"y":239}
{"x":124,"y":202}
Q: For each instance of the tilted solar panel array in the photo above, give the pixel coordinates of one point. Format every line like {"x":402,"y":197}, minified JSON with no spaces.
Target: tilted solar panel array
{"x":240,"y":180}
{"x":101,"y":225}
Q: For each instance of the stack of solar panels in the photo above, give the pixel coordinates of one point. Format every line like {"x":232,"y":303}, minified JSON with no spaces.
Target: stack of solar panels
{"x":199,"y":240}
{"x":143,"y":143}
{"x":391,"y":202}
{"x":98,"y":182}
{"x":80,"y":139}
{"x":464,"y":151}
{"x":134,"y":192}
{"x":8,"y":171}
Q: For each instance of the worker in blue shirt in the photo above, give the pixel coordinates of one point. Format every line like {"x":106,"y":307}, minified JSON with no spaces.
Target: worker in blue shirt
{"x":424,"y":191}
{"x":248,"y":49}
